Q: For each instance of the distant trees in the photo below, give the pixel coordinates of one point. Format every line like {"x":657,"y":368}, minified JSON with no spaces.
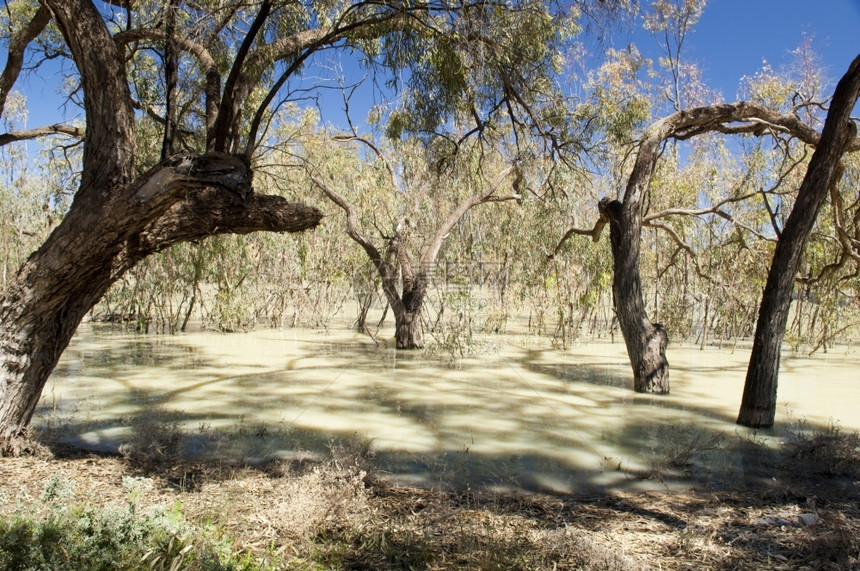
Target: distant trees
{"x":188,"y":110}
{"x":139,"y":195}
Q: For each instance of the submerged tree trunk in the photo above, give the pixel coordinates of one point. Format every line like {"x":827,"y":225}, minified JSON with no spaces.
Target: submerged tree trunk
{"x":407,"y":333}
{"x":646,"y":341}
{"x":397,"y":266}
{"x":758,"y":407}
{"x":183,"y":199}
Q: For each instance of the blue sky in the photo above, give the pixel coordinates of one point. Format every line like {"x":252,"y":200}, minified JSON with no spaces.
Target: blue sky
{"x":734,"y":37}
{"x":731,"y":40}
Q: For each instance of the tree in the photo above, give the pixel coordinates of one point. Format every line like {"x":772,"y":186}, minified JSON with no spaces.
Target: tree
{"x":406,"y":298}
{"x":646,"y":341}
{"x":116,"y":219}
{"x":758,"y":406}
{"x":211,"y":78}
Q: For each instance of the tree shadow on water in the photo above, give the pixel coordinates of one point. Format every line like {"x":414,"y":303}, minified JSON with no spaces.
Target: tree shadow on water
{"x":521,"y":423}
{"x":559,"y":439}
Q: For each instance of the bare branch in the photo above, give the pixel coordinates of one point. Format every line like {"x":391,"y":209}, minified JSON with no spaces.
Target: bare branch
{"x":773,"y":221}
{"x":384,"y":267}
{"x":212,"y":211}
{"x":17,"y":44}
{"x":109,"y":139}
{"x":234,"y":88}
{"x":594,"y":233}
{"x":58,"y":129}
{"x":377,"y":151}
{"x":435,"y":244}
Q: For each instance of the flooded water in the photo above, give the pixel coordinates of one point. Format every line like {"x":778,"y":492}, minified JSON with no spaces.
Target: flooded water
{"x":522,"y":414}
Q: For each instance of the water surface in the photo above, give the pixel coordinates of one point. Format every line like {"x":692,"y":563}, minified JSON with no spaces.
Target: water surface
{"x":521,"y":414}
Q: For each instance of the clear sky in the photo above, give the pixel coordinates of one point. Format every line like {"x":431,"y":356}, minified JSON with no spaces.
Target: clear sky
{"x":730,"y":41}
{"x":734,"y":37}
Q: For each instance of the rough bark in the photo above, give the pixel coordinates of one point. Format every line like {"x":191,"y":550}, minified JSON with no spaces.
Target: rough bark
{"x":758,"y":407}
{"x":408,"y":333}
{"x":115,"y":219}
{"x":646,"y":341}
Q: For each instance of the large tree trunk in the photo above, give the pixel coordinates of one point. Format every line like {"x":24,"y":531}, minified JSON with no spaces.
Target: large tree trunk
{"x":758,"y":407}
{"x":407,"y":333}
{"x":646,"y":342}
{"x":182,"y":199}
{"x":115,"y":220}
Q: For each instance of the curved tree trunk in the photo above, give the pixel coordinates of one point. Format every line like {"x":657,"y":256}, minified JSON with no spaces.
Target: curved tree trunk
{"x":758,"y":407}
{"x":186,"y":198}
{"x":646,"y":341}
{"x":115,"y":220}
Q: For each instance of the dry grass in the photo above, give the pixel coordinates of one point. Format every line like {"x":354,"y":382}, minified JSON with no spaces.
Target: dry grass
{"x":338,"y":514}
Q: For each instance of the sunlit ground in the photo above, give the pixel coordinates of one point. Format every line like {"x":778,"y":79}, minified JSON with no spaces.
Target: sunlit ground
{"x":520,"y":414}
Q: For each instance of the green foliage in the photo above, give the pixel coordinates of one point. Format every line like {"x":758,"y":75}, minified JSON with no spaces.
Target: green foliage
{"x":60,"y":534}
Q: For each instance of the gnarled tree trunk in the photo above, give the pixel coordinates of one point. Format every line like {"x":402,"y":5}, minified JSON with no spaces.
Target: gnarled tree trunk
{"x":115,"y":220}
{"x":758,"y":407}
{"x":646,"y":341}
{"x":182,"y":199}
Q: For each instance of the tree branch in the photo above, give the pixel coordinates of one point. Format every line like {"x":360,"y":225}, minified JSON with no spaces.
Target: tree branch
{"x":109,"y":148}
{"x":17,"y":45}
{"x":212,"y":211}
{"x":595,"y":232}
{"x":58,"y":129}
{"x":384,"y":267}
{"x":235,"y":88}
{"x":198,"y":51}
{"x":435,"y":244}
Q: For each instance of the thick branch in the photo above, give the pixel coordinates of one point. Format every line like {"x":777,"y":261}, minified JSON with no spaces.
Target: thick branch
{"x":17,"y":44}
{"x":171,"y":78}
{"x":213,"y":211}
{"x":235,"y":89}
{"x":199,"y":51}
{"x":109,"y":148}
{"x":435,"y":244}
{"x":595,"y":233}
{"x":14,"y":136}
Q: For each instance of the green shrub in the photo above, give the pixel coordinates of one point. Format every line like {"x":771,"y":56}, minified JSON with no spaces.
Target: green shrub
{"x":56,"y":534}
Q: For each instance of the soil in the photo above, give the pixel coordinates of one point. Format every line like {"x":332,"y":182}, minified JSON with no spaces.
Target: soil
{"x":275,"y":511}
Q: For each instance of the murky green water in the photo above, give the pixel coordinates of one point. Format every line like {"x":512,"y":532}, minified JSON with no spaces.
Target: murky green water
{"x":520,"y":415}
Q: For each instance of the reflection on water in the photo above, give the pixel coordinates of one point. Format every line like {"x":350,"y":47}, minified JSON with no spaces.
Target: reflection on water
{"x":525,"y":415}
